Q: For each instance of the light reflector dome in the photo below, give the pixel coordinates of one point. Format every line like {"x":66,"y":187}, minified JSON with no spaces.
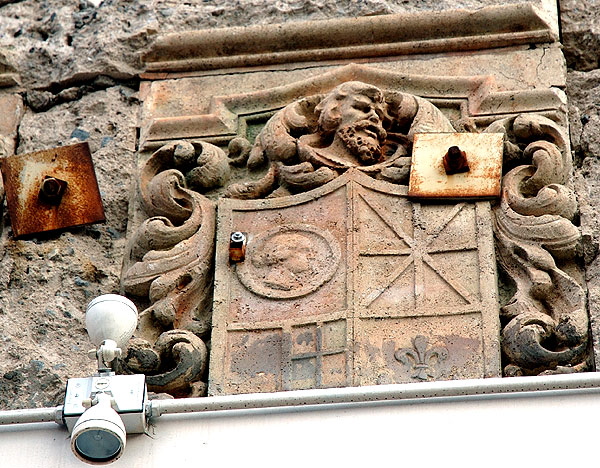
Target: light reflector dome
{"x":111,"y":317}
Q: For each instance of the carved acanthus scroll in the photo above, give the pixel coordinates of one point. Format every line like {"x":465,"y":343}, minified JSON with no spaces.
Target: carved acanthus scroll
{"x":537,"y":245}
{"x":170,"y":261}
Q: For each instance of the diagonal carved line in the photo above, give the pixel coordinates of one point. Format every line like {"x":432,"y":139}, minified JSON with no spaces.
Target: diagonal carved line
{"x":380,"y":211}
{"x":466,"y":295}
{"x":373,"y":295}
{"x":431,"y":237}
{"x":312,"y":354}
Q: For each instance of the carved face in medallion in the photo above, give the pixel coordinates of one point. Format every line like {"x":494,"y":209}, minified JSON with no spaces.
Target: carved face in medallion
{"x":289,"y":261}
{"x":287,"y":258}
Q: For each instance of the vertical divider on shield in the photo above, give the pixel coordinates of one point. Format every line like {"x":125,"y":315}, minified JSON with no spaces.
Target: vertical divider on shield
{"x":352,"y":259}
{"x":220,"y":301}
{"x":418,"y":264}
{"x":489,"y":296}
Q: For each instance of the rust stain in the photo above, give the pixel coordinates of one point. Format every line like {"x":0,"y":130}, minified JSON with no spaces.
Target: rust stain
{"x":26,"y":175}
{"x":456,"y":166}
{"x":455,"y":161}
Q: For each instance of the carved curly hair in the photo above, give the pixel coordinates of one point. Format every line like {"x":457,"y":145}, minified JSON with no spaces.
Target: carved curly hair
{"x":328,"y":111}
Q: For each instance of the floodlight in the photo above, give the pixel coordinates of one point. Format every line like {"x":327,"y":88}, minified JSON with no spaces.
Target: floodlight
{"x":99,"y":435}
{"x":100,"y":410}
{"x":110,"y":321}
{"x":111,"y":317}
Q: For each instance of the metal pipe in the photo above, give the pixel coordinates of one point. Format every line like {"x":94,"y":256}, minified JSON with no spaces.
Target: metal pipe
{"x":33,"y":415}
{"x":546,"y":385}
{"x":496,"y":387}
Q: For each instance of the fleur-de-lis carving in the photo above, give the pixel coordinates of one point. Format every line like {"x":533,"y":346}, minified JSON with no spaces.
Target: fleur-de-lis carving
{"x":420,"y":358}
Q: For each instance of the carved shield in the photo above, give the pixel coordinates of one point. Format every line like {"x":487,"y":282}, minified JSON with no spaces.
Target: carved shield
{"x":353,"y":284}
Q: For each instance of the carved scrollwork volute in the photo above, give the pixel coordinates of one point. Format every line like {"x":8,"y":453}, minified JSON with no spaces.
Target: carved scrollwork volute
{"x":181,"y":355}
{"x":169,"y":262}
{"x":537,"y":244}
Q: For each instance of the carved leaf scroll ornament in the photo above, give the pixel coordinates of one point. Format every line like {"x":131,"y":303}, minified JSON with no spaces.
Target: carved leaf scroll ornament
{"x":537,"y":244}
{"x":170,"y":261}
{"x":313,"y":140}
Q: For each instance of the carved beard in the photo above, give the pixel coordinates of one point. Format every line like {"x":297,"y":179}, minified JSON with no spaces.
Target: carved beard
{"x":362,"y":144}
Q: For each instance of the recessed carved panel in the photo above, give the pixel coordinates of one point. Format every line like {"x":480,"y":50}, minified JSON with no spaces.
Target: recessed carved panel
{"x":397,"y":269}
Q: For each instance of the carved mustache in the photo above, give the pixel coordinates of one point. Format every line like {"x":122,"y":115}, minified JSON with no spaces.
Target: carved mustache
{"x":368,"y":127}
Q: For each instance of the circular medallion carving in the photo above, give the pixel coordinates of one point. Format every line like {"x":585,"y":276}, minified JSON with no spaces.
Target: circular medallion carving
{"x":289,"y":261}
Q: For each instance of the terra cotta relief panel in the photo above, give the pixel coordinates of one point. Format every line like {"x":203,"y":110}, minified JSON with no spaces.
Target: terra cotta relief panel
{"x":337,"y":284}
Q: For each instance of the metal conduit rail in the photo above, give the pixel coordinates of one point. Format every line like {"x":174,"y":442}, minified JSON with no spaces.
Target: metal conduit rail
{"x":34,"y":415}
{"x":408,"y":393}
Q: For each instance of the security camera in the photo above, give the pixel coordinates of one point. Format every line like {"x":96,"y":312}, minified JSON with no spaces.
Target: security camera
{"x":99,"y":411}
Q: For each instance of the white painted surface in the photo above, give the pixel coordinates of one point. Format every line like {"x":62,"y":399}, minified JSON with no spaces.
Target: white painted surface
{"x":521,"y":429}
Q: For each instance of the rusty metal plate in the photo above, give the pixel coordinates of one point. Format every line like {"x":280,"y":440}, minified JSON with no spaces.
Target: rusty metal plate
{"x":51,"y":189}
{"x":456,"y":165}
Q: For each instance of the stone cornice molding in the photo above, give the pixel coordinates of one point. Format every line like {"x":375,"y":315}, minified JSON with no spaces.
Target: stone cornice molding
{"x":348,"y":39}
{"x":223,"y":118}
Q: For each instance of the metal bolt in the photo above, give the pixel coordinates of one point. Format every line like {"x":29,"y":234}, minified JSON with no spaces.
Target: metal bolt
{"x":52,"y":190}
{"x":237,"y":247}
{"x":455,"y":161}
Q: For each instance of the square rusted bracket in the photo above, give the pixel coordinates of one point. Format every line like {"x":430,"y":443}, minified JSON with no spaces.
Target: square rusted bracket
{"x":51,"y":189}
{"x":456,"y":166}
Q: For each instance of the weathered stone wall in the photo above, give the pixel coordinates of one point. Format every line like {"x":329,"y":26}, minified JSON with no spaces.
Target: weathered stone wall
{"x":581,"y":39}
{"x":78,"y":64}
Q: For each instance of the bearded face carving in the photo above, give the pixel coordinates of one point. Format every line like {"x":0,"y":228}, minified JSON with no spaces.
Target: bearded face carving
{"x":351,"y":121}
{"x":312,"y":141}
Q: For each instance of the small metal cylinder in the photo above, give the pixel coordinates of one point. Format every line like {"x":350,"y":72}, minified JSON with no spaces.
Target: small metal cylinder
{"x":237,"y":247}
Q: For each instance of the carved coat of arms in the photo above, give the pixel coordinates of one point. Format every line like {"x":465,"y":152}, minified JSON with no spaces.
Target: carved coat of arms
{"x":345,"y":279}
{"x":337,"y":280}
